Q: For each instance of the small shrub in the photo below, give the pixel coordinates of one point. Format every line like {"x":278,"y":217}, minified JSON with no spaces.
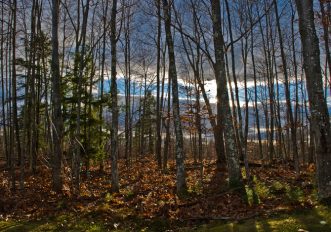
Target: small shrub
{"x":196,"y":188}
{"x":108,"y":197}
{"x":279,"y":188}
{"x":261,"y":189}
{"x":252,"y":196}
{"x":295,"y":195}
{"x":129,"y":195}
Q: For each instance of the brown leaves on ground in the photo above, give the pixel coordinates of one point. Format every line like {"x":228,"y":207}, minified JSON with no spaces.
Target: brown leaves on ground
{"x":147,"y":193}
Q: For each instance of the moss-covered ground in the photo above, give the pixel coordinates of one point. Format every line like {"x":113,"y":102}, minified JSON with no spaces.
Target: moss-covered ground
{"x":317,"y":219}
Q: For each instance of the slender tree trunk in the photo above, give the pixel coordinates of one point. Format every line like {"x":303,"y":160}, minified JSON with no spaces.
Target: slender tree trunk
{"x":326,"y":20}
{"x":14,"y":87}
{"x":143,"y":116}
{"x":57,"y":129}
{"x":245,"y":135}
{"x":102,"y":76}
{"x":198,"y":121}
{"x":180,"y":166}
{"x":257,"y":116}
{"x":127,"y":57}
{"x":3,"y":78}
{"x":287,"y":93}
{"x":295,"y":68}
{"x":233,"y":65}
{"x":114,"y":107}
{"x":278,"y":121}
{"x":80,"y":87}
{"x":158,"y":104}
{"x":167,"y":127}
{"x":268,"y":75}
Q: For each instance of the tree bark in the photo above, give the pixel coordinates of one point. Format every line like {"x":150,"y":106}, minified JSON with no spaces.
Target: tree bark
{"x":57,"y":130}
{"x":180,"y":166}
{"x":14,"y":86}
{"x":158,"y":73}
{"x":287,"y":93}
{"x":320,"y":121}
{"x":224,"y":116}
{"x":114,"y":107}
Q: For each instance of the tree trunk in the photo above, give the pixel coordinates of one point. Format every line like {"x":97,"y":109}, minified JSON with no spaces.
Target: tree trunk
{"x":180,"y":166}
{"x":257,"y":114}
{"x":320,"y":121}
{"x":158,"y":103}
{"x":3,"y":104}
{"x":224,"y":116}
{"x":14,"y":87}
{"x":102,"y":76}
{"x":167,"y":127}
{"x":114,"y":107}
{"x":287,"y":94}
{"x":239,"y":127}
{"x":127,"y":57}
{"x":57,"y":130}
{"x":326,"y":20}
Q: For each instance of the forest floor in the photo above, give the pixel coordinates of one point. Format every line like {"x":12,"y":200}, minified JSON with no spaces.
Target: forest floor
{"x":147,"y":201}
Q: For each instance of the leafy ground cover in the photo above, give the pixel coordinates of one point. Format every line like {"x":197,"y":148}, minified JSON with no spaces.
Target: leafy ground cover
{"x":317,"y":219}
{"x":277,"y":200}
